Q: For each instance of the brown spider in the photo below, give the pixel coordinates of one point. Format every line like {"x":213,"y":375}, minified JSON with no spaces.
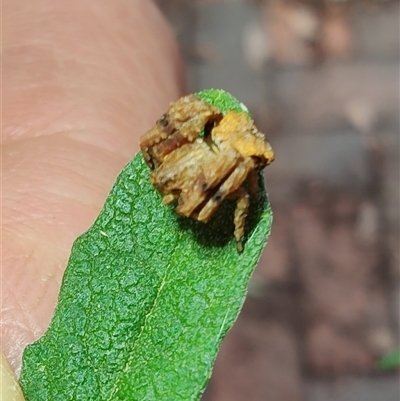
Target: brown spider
{"x":199,"y":157}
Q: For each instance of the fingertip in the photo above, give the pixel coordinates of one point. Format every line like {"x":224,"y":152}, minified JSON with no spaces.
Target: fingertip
{"x":10,"y":389}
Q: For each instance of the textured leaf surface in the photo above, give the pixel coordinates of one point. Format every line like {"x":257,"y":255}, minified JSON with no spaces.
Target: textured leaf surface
{"x":223,"y":100}
{"x":145,"y":302}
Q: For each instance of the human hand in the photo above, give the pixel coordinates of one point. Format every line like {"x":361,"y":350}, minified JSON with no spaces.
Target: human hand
{"x":82,"y":80}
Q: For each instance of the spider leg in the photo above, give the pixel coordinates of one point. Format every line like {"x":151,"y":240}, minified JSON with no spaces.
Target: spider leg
{"x":216,"y":168}
{"x":146,"y":142}
{"x":189,"y":199}
{"x":252,"y":181}
{"x":169,"y":198}
{"x":242,"y":207}
{"x":181,"y":124}
{"x":229,"y":186}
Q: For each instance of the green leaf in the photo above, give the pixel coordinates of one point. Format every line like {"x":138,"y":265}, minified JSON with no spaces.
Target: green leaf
{"x":146,"y":299}
{"x":390,"y":361}
{"x":223,"y":100}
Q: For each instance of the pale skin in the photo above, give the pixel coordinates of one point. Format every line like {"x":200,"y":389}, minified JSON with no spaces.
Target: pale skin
{"x":81,"y":83}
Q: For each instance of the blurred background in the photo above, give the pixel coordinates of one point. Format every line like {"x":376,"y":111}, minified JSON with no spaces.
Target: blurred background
{"x":321,"y":79}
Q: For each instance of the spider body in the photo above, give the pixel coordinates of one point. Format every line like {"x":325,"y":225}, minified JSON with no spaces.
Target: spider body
{"x":199,"y":157}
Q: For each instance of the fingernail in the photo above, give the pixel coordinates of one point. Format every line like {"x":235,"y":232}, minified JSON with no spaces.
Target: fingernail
{"x":9,"y":387}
